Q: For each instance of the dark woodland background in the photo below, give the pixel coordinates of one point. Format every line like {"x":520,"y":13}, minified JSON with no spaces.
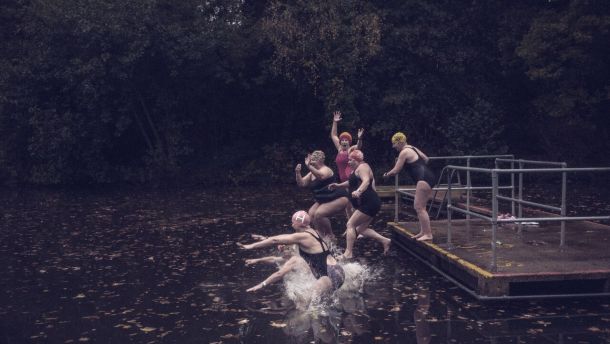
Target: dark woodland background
{"x":235,"y":92}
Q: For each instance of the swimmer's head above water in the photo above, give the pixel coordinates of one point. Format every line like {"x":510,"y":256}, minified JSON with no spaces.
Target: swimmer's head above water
{"x":300,"y":220}
{"x":355,"y":157}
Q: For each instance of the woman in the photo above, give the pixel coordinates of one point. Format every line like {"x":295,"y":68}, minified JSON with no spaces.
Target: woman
{"x":416,"y":163}
{"x":327,"y":202}
{"x":343,"y":143}
{"x":366,"y":202}
{"x":312,"y":249}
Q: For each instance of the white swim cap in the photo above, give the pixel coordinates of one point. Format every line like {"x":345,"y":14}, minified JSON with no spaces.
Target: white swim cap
{"x":301,"y":217}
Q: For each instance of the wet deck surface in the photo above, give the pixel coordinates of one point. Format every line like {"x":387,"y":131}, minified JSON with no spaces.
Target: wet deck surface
{"x":535,"y":250}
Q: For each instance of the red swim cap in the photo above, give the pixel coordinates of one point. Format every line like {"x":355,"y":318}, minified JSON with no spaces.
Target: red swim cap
{"x":357,"y":155}
{"x":345,"y":136}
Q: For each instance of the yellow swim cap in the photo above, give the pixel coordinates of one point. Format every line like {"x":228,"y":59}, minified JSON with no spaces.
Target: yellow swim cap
{"x":399,"y":137}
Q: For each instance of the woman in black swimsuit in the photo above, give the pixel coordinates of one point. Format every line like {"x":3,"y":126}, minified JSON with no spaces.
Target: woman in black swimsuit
{"x":312,"y":250}
{"x":328,"y":202}
{"x":366,"y":202}
{"x":415,"y":161}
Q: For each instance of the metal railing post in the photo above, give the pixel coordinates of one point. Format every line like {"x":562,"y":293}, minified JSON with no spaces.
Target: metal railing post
{"x":468,"y":191}
{"x":494,"y":218}
{"x":396,"y":198}
{"x":449,"y":210}
{"x":512,"y":190}
{"x":564,"y":182}
{"x":520,"y":207}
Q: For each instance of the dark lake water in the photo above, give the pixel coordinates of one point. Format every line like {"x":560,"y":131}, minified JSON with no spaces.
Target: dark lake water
{"x":122,"y":266}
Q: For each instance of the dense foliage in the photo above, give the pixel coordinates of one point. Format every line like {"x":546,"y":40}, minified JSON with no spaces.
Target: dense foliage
{"x":237,"y":91}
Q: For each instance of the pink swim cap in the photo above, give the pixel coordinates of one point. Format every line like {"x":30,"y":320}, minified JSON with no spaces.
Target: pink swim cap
{"x":301,"y":217}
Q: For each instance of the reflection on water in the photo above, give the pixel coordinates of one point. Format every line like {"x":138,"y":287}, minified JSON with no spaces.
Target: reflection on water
{"x":162,"y":266}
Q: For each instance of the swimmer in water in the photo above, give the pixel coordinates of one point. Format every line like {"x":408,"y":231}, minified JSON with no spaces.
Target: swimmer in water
{"x":416,"y":163}
{"x":312,"y":250}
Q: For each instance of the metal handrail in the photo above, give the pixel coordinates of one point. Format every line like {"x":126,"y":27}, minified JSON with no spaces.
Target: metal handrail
{"x":468,"y":158}
{"x":522,"y":162}
{"x":495,"y":197}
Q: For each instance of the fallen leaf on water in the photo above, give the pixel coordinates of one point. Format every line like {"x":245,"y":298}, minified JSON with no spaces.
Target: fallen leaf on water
{"x":277,"y":324}
{"x":147,"y":329}
{"x":243,"y":321}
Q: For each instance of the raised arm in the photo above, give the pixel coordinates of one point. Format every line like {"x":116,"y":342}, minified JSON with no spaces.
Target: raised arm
{"x":301,"y":181}
{"x":359,"y":143}
{"x":333,"y":130}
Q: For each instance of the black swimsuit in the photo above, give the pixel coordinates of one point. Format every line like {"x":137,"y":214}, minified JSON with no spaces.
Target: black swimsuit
{"x":319,"y":267}
{"x":322,"y":194}
{"x":369,"y":202}
{"x":419,"y":170}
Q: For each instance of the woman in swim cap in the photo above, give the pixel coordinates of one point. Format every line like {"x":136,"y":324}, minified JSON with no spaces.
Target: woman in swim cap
{"x":312,"y":249}
{"x":327,"y":202}
{"x":416,"y":164}
{"x":343,"y":143}
{"x":364,"y":199}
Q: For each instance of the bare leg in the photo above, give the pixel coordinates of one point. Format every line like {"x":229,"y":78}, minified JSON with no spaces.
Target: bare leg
{"x":358,"y":224}
{"x":312,"y":213}
{"x":422,"y":195}
{"x":371,"y":233}
{"x":322,"y":285}
{"x":326,"y":210}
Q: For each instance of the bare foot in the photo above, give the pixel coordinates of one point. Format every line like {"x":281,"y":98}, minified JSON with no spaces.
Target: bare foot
{"x":345,"y":257}
{"x":418,"y":235}
{"x":386,"y":247}
{"x":424,"y":238}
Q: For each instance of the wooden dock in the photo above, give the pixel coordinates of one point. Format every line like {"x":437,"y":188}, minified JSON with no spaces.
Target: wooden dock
{"x":530,"y":264}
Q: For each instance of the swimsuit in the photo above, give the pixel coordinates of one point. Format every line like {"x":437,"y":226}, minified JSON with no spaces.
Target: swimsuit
{"x":419,"y":170}
{"x":322,"y":194}
{"x":319,"y":267}
{"x":369,"y":202}
{"x":342,"y":165}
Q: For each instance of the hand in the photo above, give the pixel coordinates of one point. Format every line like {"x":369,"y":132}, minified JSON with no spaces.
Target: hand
{"x":337,"y":116}
{"x":251,"y":261}
{"x":245,"y":246}
{"x":307,"y":159}
{"x":386,"y":175}
{"x":297,"y":168}
{"x":332,"y":186}
{"x":360,"y":132}
{"x":258,"y":237}
{"x":356,"y":194}
{"x":255,"y":288}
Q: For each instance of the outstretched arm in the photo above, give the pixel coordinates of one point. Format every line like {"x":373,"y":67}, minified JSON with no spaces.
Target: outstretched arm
{"x":276,"y":276}
{"x":343,"y":185}
{"x":293,"y":238}
{"x":333,"y":130}
{"x":266,"y":260}
{"x":400,"y":162}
